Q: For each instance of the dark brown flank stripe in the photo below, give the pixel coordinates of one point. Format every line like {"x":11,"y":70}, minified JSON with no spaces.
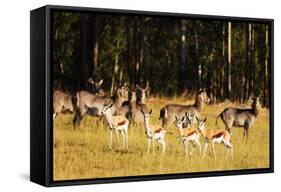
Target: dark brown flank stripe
{"x":121,"y":123}
{"x":191,"y":133}
{"x":218,"y":135}
{"x":157,"y":130}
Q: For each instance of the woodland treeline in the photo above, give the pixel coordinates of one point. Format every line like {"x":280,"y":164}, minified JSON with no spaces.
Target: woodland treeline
{"x":172,"y":56}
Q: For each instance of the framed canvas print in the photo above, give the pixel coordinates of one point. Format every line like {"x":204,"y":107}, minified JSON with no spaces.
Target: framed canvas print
{"x":121,"y":95}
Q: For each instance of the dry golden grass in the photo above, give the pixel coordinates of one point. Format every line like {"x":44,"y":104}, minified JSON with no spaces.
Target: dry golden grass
{"x":84,"y":153}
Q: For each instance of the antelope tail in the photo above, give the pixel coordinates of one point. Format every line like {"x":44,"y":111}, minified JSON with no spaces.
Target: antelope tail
{"x":163,"y":113}
{"x":220,"y":115}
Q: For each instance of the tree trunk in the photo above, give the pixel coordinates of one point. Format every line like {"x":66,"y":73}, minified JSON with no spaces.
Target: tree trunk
{"x":266,"y":80}
{"x":253,"y":62}
{"x":181,"y":80}
{"x":229,"y":61}
{"x":248,"y":61}
{"x":115,"y":67}
{"x":222,"y":61}
{"x":84,"y":52}
{"x":95,"y":49}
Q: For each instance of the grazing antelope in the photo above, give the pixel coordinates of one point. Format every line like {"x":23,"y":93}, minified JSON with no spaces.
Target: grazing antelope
{"x":168,"y":112}
{"x":214,"y":138}
{"x":240,"y":117}
{"x":62,"y":102}
{"x":187,"y":133}
{"x":153,"y":132}
{"x":117,"y":123}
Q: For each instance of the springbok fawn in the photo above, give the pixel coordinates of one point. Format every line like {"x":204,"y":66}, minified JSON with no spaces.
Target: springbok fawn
{"x":240,"y":117}
{"x":62,"y":102}
{"x":168,"y":112}
{"x":214,"y":138}
{"x":187,"y":133}
{"x":153,"y":132}
{"x":117,"y":123}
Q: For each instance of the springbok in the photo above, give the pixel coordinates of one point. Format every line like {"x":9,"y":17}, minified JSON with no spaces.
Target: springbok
{"x":188,"y":133}
{"x":168,"y":112}
{"x":62,"y":102}
{"x":153,"y":132}
{"x":240,"y":117}
{"x":214,"y":138}
{"x":117,"y":123}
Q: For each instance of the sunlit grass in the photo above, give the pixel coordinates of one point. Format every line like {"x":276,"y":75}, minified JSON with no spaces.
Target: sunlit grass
{"x":84,"y":152}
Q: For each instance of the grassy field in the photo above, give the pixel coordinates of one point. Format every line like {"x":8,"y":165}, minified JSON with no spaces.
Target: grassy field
{"x":84,"y":153}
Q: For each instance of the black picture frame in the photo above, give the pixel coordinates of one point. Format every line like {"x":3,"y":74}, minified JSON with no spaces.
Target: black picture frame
{"x":41,"y":139}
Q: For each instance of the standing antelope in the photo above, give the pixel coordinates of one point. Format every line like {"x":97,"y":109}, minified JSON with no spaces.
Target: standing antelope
{"x":153,"y":132}
{"x":117,"y":123}
{"x":87,"y":100}
{"x":187,"y":133}
{"x":214,"y":137}
{"x":240,"y":117}
{"x":168,"y":112}
{"x":95,"y":86}
{"x":62,"y":102}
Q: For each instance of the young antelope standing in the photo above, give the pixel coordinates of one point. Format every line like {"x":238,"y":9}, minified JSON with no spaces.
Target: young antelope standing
{"x":214,"y":137}
{"x":118,"y":123}
{"x":153,"y":132}
{"x":187,"y":133}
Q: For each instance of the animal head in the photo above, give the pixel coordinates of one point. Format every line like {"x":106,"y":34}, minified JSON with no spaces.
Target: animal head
{"x":202,"y":96}
{"x":146,"y":114}
{"x":201,"y":123}
{"x":253,"y":100}
{"x":180,"y":122}
{"x":141,"y":93}
{"x":95,"y":86}
{"x":122,"y":92}
{"x":189,"y":118}
{"x":106,"y":108}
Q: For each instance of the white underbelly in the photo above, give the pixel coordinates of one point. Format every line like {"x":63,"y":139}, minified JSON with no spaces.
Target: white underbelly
{"x":218,"y":140}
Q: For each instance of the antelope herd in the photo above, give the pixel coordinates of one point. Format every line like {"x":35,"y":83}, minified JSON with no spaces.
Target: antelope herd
{"x":127,"y":108}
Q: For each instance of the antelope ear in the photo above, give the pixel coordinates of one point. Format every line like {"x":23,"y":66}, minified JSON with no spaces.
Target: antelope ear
{"x":182,"y":119}
{"x":150,"y":111}
{"x":205,"y":120}
{"x":197,"y":118}
{"x":176,"y":117}
{"x":100,"y":82}
{"x":137,"y":86}
{"x":90,"y":80}
{"x":185,"y":114}
{"x":142,"y":111}
{"x":110,"y":105}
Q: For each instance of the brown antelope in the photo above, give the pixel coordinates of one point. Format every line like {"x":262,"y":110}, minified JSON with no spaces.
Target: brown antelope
{"x":153,"y":132}
{"x":95,"y":87}
{"x":87,"y":100}
{"x":168,"y":112}
{"x":240,"y":117}
{"x":62,"y":102}
{"x":188,"y":133}
{"x":210,"y":136}
{"x":118,"y":123}
{"x":133,"y":106}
